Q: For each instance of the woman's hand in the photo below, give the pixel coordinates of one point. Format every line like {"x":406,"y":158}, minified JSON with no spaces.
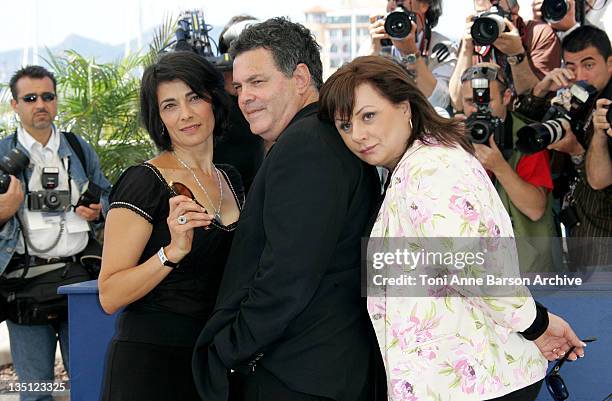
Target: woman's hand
{"x":191,"y":215}
{"x":558,"y":339}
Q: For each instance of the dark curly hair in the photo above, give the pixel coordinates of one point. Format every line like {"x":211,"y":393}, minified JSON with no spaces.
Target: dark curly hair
{"x":290,"y":44}
{"x":197,"y":73}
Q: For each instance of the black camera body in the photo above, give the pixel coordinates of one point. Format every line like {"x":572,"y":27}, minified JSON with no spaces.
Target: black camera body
{"x":482,"y":124}
{"x":192,"y":35}
{"x":535,"y":137}
{"x":12,"y":163}
{"x":554,"y":10}
{"x":91,"y":194}
{"x":49,"y":199}
{"x":488,"y":25}
{"x":398,"y":23}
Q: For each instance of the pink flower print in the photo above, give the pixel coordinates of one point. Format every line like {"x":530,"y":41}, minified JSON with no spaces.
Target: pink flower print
{"x":412,"y":331}
{"x":493,"y":228}
{"x":402,"y":390}
{"x":464,"y":207}
{"x":418,"y":212}
{"x":467,"y":375}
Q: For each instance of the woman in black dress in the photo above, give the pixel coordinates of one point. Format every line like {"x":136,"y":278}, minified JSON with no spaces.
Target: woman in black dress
{"x":168,"y":234}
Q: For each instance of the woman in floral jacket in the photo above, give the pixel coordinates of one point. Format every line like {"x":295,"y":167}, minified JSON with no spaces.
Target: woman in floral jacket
{"x":434,"y":348}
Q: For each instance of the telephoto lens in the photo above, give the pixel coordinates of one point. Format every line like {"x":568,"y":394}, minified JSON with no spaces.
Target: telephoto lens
{"x":12,"y":163}
{"x":487,"y":27}
{"x":554,"y":10}
{"x":535,"y":137}
{"x":398,"y":23}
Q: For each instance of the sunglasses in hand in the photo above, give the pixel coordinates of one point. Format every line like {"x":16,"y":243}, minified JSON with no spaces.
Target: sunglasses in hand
{"x":33,"y":97}
{"x":179,"y":188}
{"x":554,"y":382}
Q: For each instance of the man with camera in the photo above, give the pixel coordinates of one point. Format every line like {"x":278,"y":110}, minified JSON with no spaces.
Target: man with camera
{"x":41,"y":236}
{"x":523,"y":181}
{"x":408,"y":31}
{"x":566,"y":15}
{"x":496,"y":33}
{"x":586,"y":209}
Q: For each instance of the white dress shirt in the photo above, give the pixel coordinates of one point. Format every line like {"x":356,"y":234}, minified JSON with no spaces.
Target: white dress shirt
{"x":44,"y":228}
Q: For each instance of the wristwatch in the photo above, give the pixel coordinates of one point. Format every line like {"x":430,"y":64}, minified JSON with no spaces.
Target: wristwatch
{"x":410,"y":59}
{"x":516,"y":59}
{"x":164,"y":259}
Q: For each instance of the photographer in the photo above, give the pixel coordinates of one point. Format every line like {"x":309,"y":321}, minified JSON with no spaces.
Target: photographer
{"x":41,"y":237}
{"x":238,"y":146}
{"x":587,"y":211}
{"x":523,"y":181}
{"x":598,"y":160}
{"x":428,"y":54}
{"x":593,"y":12}
{"x":525,"y":51}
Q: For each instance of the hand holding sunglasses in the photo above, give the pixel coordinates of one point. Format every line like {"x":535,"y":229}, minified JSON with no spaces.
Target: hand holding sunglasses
{"x":185,"y":215}
{"x":554,"y":382}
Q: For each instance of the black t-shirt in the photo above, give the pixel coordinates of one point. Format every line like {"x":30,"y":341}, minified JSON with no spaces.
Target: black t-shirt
{"x":175,"y":310}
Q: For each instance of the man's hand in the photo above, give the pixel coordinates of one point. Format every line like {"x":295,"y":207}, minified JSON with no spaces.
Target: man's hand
{"x":600,"y":121}
{"x":467,"y":40}
{"x":558,"y":339}
{"x":569,"y":143}
{"x":509,"y":42}
{"x":11,"y":200}
{"x":91,"y":213}
{"x":553,"y":81}
{"x":490,"y":156}
{"x":376,"y":29}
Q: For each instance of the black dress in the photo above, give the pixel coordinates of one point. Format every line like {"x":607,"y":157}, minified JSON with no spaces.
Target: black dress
{"x":150,"y":356}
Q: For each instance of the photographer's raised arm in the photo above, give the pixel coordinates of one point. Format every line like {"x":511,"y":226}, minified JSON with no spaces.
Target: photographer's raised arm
{"x":464,"y":61}
{"x":10,"y":200}
{"x":598,"y":161}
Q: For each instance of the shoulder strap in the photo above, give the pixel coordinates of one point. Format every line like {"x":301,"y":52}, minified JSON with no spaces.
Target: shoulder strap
{"x":76,"y":146}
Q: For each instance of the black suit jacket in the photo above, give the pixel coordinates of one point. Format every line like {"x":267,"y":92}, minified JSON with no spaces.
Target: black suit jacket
{"x":290,"y":296}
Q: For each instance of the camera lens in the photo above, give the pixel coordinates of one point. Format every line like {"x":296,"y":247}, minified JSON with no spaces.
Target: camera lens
{"x":398,"y":24}
{"x":486,"y":30}
{"x":535,"y":137}
{"x":554,"y":10}
{"x":52,"y":200}
{"x":5,"y":181}
{"x":480,"y":132}
{"x":14,"y":162}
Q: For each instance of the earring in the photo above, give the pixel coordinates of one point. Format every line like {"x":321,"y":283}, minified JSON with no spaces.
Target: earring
{"x":410,"y":123}
{"x":163,"y":130}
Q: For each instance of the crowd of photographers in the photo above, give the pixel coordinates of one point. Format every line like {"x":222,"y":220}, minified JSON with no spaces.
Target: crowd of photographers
{"x":534,"y":94}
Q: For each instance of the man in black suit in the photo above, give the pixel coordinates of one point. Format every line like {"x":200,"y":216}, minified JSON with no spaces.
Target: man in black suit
{"x":289,"y":321}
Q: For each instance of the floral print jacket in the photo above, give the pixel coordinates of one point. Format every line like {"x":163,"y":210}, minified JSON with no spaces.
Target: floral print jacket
{"x":450,"y":348}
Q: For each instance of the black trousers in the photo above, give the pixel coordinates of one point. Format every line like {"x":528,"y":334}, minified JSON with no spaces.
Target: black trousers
{"x":262,"y":385}
{"x":529,"y":393}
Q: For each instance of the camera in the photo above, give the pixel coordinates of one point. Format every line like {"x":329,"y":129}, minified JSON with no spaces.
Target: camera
{"x":49,"y":199}
{"x":488,"y":25}
{"x":554,"y":10}
{"x":398,"y":23}
{"x":535,"y":137}
{"x":481,"y":123}
{"x":192,"y":35}
{"x":91,"y":194}
{"x":13,"y":163}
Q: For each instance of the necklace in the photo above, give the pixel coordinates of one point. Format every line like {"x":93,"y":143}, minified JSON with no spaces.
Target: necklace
{"x":218,"y":210}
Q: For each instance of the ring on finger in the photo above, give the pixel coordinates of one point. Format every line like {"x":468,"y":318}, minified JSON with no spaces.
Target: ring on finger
{"x":181,"y":219}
